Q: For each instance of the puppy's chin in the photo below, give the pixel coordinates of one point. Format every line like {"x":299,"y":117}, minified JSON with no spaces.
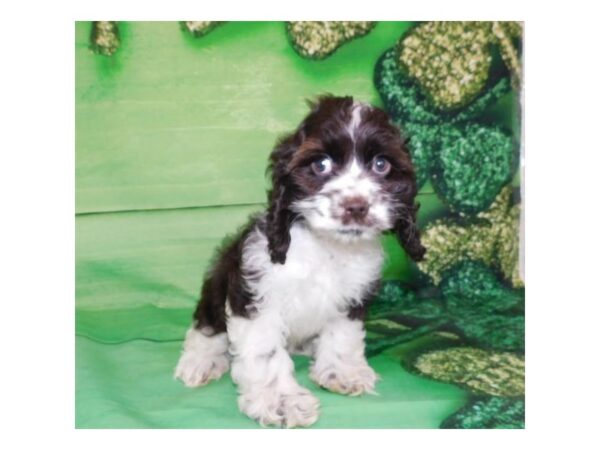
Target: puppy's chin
{"x":335,"y":231}
{"x":358,"y":234}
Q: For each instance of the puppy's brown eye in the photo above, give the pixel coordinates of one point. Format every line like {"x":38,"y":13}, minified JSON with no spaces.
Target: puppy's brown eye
{"x":381,"y":166}
{"x":322,"y":166}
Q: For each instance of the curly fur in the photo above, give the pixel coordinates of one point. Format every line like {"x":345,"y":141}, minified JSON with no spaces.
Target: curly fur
{"x":299,"y":277}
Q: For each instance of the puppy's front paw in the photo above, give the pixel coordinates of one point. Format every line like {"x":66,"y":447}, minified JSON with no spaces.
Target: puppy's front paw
{"x":195,"y":369}
{"x":347,"y":379}
{"x":298,"y":408}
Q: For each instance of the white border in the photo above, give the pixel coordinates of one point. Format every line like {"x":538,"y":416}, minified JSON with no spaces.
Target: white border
{"x":561,"y":97}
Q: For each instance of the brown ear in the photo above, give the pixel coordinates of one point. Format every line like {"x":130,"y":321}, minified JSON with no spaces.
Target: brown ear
{"x":405,"y":227}
{"x":408,"y":234}
{"x":279,"y":216}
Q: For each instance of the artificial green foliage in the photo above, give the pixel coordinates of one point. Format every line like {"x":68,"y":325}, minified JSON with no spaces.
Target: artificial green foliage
{"x":479,"y":371}
{"x":451,"y":60}
{"x":489,"y":412}
{"x":479,"y":309}
{"x":491,"y":237}
{"x":104,"y":38}
{"x":406,"y":102}
{"x":394,"y":300}
{"x":472,"y":286}
{"x":505,"y":35}
{"x":506,"y":227}
{"x":318,"y":40}
{"x":451,"y":240}
{"x":472,"y":165}
{"x":448,"y":146}
{"x":471,"y":302}
{"x":401,"y":96}
{"x":423,"y":142}
{"x":199,"y":29}
{"x":493,"y":331}
{"x":485,"y":310}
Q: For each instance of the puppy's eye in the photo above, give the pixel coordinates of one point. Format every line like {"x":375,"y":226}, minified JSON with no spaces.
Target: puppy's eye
{"x":381,"y":166}
{"x":322,"y":166}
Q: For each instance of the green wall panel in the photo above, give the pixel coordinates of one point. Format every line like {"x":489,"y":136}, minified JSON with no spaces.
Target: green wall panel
{"x":173,"y":121}
{"x":131,"y":259}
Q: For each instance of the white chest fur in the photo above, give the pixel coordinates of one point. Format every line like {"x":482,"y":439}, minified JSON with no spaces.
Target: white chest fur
{"x":319,"y":280}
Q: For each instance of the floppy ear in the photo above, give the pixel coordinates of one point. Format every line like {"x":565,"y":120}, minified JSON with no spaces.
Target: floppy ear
{"x":279,"y":216}
{"x":405,"y":227}
{"x":408,"y":234}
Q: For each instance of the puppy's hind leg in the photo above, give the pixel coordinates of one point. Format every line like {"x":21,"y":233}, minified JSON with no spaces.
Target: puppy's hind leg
{"x":204,"y":357}
{"x":205,"y":354}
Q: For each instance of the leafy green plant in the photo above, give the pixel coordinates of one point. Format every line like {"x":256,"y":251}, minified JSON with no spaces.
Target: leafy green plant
{"x":490,"y":237}
{"x":451,"y":61}
{"x":489,"y":412}
{"x":468,"y":162}
{"x":318,"y":40}
{"x":471,"y":303}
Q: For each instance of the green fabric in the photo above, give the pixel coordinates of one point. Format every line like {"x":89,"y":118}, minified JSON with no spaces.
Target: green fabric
{"x":130,"y":385}
{"x":171,"y":120}
{"x":138,"y":277}
{"x":172,"y":138}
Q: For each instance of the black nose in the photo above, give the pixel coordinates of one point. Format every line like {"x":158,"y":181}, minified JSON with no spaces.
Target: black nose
{"x":355,"y":208}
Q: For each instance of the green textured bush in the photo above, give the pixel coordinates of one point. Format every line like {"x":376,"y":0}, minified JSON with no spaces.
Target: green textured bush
{"x":479,"y":371}
{"x":467,"y":162}
{"x":451,"y":61}
{"x":473,"y":285}
{"x":489,"y":412}
{"x":490,"y":237}
{"x":199,"y":28}
{"x":406,"y":102}
{"x":471,"y":302}
{"x":473,"y":163}
{"x":318,"y":40}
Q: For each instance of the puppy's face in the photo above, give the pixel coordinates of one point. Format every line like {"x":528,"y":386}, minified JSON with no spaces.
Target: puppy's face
{"x":348,"y":169}
{"x":345,"y":172}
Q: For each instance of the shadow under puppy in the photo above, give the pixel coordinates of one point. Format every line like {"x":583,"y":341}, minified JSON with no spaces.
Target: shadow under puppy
{"x":300,"y":276}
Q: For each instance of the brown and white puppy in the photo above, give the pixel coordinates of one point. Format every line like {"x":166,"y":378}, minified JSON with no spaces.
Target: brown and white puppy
{"x":300,"y":276}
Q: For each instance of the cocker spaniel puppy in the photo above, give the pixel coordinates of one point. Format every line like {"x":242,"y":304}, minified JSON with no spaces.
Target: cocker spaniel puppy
{"x":300,"y":276}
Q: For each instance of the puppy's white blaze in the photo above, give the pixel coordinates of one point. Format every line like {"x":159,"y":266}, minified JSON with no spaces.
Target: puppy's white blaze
{"x":352,"y":179}
{"x":355,"y":169}
{"x":355,"y":118}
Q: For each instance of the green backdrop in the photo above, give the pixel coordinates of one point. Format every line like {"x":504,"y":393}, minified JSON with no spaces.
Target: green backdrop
{"x":172,"y":138}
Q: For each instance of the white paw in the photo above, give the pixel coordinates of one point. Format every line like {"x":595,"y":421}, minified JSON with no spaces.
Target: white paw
{"x":196,"y":370}
{"x":270,"y":406}
{"x":346,"y":379}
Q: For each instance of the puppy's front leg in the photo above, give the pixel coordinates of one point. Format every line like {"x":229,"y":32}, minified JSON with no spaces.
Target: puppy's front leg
{"x":264,"y":373}
{"x":340,"y":364}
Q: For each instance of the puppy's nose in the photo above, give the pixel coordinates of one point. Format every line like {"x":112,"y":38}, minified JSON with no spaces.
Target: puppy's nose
{"x":355,"y":208}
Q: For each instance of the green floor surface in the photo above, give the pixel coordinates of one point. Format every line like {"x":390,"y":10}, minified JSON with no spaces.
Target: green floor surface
{"x":130,"y":385}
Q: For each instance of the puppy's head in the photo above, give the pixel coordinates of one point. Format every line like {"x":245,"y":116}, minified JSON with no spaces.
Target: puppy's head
{"x":346,"y":173}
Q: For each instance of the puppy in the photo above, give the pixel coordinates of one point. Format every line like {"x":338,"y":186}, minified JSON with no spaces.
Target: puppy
{"x":299,"y":277}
